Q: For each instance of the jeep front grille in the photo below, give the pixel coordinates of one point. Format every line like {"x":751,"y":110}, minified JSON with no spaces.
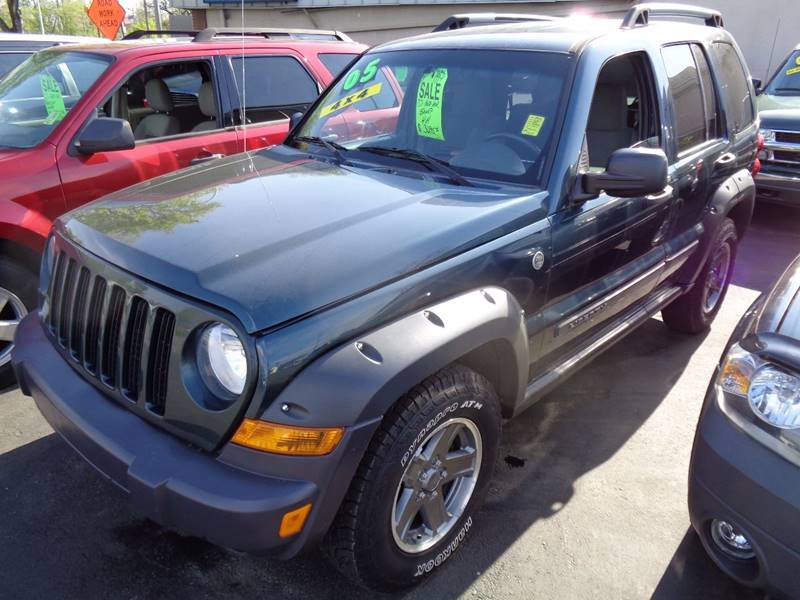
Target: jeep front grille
{"x":106,"y":330}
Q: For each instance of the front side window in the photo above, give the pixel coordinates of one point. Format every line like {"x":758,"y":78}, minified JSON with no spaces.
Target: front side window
{"x":734,"y":87}
{"x":624,"y":112}
{"x":37,"y":95}
{"x":166,"y":99}
{"x":688,"y":104}
{"x":485,"y":114}
{"x":274,"y":87}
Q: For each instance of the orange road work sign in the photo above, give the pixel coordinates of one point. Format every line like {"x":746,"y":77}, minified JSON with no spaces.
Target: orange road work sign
{"x":107,"y":15}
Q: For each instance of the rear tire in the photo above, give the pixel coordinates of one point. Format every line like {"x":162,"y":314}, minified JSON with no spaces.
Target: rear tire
{"x":694,"y":312}
{"x":405,"y":514}
{"x":17,"y":298}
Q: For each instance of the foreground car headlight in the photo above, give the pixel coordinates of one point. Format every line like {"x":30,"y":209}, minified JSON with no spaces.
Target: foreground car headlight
{"x":221,"y":359}
{"x":768,"y":134}
{"x":774,"y":396}
{"x":772,"y":393}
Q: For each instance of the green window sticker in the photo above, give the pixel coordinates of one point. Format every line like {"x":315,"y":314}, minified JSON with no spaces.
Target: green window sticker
{"x":430,"y":97}
{"x":53,"y":99}
{"x":401,"y":73}
{"x":356,"y":76}
{"x":533,"y":125}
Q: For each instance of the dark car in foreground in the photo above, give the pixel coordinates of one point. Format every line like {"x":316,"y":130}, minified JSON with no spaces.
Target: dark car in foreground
{"x":745,"y":468}
{"x":319,"y":341}
{"x":16,"y":47}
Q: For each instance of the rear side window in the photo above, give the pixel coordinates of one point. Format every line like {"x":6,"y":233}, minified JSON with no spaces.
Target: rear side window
{"x":274,"y":86}
{"x":734,"y":87}
{"x":336,"y":63}
{"x":687,"y":96}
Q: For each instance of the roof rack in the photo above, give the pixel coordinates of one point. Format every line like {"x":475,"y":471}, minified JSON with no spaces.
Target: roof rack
{"x":478,"y":19}
{"x":639,"y":15}
{"x":213,"y":33}
{"x":143,"y":33}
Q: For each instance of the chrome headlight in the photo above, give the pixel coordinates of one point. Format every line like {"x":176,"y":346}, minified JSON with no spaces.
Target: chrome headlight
{"x":768,"y":135}
{"x":774,"y":396}
{"x":221,"y":359}
{"x":772,"y":393}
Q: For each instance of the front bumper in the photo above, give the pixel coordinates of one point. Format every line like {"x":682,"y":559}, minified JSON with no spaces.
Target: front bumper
{"x":196,"y":493}
{"x":735,"y":478}
{"x":778,"y":188}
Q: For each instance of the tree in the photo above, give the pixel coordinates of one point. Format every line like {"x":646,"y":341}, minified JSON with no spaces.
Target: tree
{"x":12,"y":22}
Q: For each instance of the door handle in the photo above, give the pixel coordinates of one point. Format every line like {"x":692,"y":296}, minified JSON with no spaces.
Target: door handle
{"x":204,"y":157}
{"x":726,"y":159}
{"x":660,"y":197}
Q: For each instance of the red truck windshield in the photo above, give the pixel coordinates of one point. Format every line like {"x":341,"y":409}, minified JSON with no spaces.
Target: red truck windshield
{"x":38,"y":94}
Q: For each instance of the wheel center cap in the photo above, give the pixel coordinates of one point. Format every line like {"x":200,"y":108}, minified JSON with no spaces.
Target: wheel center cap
{"x":431,"y":478}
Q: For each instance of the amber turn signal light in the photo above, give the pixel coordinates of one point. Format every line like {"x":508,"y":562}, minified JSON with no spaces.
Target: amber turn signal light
{"x":287,"y":439}
{"x":293,"y":521}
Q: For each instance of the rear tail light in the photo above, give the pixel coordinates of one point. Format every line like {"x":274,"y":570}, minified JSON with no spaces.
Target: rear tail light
{"x":760,"y":145}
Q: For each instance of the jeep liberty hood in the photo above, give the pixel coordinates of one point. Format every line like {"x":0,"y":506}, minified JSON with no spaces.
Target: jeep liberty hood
{"x":274,"y":235}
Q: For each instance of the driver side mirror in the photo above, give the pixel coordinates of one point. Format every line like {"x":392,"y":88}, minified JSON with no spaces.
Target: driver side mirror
{"x":105,"y":134}
{"x":295,"y":119}
{"x":631,"y":172}
{"x":757,"y":83}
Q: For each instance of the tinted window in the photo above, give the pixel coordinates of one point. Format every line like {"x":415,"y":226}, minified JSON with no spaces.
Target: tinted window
{"x":273,"y":84}
{"x":9,"y":60}
{"x":336,"y":63}
{"x":734,"y":87}
{"x":709,"y":92}
{"x":486,"y":114}
{"x":687,"y":96}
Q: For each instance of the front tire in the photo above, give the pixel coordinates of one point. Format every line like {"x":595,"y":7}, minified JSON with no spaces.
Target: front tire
{"x":425,"y":474}
{"x":17,"y":298}
{"x":695,"y":311}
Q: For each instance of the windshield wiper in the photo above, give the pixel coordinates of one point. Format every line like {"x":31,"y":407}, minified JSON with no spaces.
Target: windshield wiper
{"x":434,"y":164}
{"x":332,"y":147}
{"x":786,"y":89}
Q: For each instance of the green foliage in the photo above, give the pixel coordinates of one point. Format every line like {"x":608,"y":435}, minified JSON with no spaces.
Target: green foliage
{"x":129,"y":221}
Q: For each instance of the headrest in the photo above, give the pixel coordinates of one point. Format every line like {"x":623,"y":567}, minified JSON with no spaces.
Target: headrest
{"x":609,"y":108}
{"x":157,"y":94}
{"x":205,"y":98}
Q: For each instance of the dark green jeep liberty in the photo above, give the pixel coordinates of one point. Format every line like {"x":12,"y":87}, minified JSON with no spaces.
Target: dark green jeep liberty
{"x":318,"y":342}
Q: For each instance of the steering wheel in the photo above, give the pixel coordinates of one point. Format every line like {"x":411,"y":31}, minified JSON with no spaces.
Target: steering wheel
{"x":511,"y":140}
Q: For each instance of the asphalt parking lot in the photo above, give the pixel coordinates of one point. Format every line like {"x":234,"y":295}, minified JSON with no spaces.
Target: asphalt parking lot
{"x":588,"y":500}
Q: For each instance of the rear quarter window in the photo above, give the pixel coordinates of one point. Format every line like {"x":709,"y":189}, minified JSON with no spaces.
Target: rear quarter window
{"x":734,"y":87}
{"x":336,"y":63}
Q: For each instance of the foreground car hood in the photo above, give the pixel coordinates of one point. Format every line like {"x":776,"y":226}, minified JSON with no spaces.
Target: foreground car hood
{"x":769,"y":102}
{"x":782,"y":120}
{"x":780,"y":312}
{"x":275,"y":235}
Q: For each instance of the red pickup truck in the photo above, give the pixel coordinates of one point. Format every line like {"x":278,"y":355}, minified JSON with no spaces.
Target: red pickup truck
{"x":80,"y":121}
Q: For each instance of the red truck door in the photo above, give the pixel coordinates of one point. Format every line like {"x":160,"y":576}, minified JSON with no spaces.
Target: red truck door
{"x":174,"y":108}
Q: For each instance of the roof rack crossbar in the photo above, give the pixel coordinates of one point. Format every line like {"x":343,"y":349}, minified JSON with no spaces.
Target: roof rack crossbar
{"x":142,"y":33}
{"x":477,"y":19}
{"x":211,"y":33}
{"x":639,"y":15}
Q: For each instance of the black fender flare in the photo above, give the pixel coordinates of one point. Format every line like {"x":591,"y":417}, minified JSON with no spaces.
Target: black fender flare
{"x":735,"y":198}
{"x":360,"y":380}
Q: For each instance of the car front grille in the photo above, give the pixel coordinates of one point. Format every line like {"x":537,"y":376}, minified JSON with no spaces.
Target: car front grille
{"x":787,"y":137}
{"x":106,"y":330}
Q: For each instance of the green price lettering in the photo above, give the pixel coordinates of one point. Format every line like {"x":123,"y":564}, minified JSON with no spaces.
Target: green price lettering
{"x":355,"y":76}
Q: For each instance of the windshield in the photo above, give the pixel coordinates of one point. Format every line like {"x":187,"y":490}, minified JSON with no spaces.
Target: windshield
{"x":38,"y":94}
{"x":787,"y":79}
{"x":479,"y":113}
